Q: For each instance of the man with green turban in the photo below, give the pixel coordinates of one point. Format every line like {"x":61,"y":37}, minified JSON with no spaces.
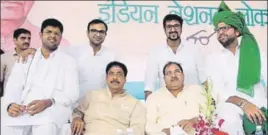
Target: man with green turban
{"x":238,"y":73}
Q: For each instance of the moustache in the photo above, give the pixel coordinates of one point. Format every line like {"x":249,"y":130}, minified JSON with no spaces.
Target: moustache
{"x":26,"y":44}
{"x":173,"y":32}
{"x":115,"y":81}
{"x":174,"y":79}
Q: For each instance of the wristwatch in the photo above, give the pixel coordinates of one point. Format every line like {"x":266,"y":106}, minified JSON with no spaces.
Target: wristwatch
{"x":52,"y":100}
{"x":243,"y":104}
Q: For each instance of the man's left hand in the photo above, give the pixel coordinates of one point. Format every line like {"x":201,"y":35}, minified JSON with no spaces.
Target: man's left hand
{"x":186,"y":125}
{"x":38,"y":106}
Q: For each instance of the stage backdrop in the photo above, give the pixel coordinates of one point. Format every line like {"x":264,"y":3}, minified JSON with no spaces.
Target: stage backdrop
{"x":136,"y":26}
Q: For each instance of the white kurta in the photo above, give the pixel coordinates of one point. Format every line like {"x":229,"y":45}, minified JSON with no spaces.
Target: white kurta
{"x":190,"y":58}
{"x":222,"y":68}
{"x":55,"y":77}
{"x":91,"y":67}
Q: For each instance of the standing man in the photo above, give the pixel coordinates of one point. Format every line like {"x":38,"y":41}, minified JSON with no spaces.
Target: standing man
{"x":175,"y":50}
{"x":176,"y":104}
{"x":14,"y":15}
{"x":106,"y":111}
{"x":92,"y":58}
{"x":21,"y":40}
{"x":238,"y":72}
{"x":41,"y":92}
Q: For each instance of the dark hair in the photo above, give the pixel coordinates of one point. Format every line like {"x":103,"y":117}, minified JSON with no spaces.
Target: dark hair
{"x":1,"y":51}
{"x":170,"y":17}
{"x":19,"y":31}
{"x":97,"y":21}
{"x":52,"y":22}
{"x":171,"y":63}
{"x":116,"y":64}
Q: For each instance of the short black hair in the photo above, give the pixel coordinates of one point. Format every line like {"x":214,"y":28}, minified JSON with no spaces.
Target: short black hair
{"x":52,"y":22}
{"x":19,"y":31}
{"x":97,"y":21}
{"x":116,"y":64}
{"x":172,"y":63}
{"x":1,"y":51}
{"x":170,"y":17}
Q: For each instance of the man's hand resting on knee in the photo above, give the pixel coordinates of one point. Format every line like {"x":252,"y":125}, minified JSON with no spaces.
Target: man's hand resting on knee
{"x":254,"y":114}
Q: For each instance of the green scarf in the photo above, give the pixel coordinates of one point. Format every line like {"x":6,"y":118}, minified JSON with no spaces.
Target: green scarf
{"x":249,"y":59}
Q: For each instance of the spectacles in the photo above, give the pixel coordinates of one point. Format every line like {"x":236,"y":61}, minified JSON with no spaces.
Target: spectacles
{"x":101,"y":32}
{"x":176,"y":72}
{"x":223,"y":28}
{"x":175,"y":26}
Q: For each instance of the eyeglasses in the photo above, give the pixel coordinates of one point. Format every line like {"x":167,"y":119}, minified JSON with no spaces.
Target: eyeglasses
{"x":176,"y":72}
{"x":101,"y":32}
{"x":223,"y":28}
{"x":175,"y":26}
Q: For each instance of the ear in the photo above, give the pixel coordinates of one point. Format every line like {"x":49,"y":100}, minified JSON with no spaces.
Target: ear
{"x":237,"y":33}
{"x":40,"y":35}
{"x":14,"y":39}
{"x":87,"y":32}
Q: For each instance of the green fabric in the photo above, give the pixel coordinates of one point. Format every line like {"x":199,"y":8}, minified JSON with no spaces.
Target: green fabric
{"x":250,"y":128}
{"x":249,"y":59}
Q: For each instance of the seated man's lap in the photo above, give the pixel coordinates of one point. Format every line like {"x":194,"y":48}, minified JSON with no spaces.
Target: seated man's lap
{"x":232,"y":116}
{"x":46,"y":129}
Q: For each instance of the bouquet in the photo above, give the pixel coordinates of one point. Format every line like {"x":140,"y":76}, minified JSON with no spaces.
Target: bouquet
{"x":209,"y":123}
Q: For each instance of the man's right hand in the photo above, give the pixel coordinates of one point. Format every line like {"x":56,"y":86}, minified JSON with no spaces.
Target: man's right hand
{"x":15,"y":110}
{"x":147,"y":93}
{"x":24,"y":54}
{"x":254,"y":114}
{"x":77,"y":126}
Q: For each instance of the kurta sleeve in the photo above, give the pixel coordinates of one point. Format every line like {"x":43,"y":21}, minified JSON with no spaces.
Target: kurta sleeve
{"x":70,"y":92}
{"x":137,"y":119}
{"x":152,"y":127}
{"x":151,"y":72}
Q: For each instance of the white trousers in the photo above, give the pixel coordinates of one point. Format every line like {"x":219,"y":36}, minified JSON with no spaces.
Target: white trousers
{"x":233,"y":118}
{"x":47,"y":129}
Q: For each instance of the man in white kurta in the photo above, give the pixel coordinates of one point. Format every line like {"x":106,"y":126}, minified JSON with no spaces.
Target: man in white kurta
{"x":175,"y":104}
{"x":177,"y":50}
{"x":41,"y":92}
{"x":91,"y":68}
{"x":223,"y":67}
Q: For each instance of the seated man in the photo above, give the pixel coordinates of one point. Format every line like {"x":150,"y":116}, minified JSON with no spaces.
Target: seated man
{"x":238,"y":72}
{"x":105,"y":111}
{"x":175,"y":104}
{"x":40,"y":93}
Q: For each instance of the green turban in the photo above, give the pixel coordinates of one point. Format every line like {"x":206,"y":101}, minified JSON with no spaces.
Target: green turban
{"x":249,"y":60}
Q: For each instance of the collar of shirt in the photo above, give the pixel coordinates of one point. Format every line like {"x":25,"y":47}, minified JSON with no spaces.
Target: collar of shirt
{"x":181,"y":45}
{"x":168,"y":93}
{"x":99,"y":52}
{"x":14,"y":53}
{"x":117,"y":96}
{"x":224,"y":50}
{"x":51,"y":55}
